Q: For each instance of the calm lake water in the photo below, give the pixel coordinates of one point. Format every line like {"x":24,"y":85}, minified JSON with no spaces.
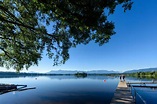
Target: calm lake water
{"x":70,"y":90}
{"x":61,"y":90}
{"x":147,"y":95}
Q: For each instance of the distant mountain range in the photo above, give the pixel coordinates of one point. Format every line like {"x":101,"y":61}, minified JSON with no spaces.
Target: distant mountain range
{"x":62,"y":72}
{"x":141,"y":70}
{"x":75,"y":71}
{"x":100,"y":71}
{"x":88,"y":72}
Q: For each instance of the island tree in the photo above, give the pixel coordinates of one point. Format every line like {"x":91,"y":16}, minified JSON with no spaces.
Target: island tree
{"x":29,"y":27}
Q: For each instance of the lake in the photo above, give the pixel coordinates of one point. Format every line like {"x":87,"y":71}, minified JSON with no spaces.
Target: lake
{"x":144,"y":95}
{"x":61,"y":90}
{"x":70,"y":90}
{"x":148,"y":95}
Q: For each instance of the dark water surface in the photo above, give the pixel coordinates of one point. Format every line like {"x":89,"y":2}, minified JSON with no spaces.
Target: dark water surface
{"x":61,"y":90}
{"x":144,"y":95}
{"x":147,"y":95}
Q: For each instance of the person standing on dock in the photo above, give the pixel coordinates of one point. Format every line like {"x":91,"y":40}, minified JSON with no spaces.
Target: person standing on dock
{"x":120,"y":77}
{"x":123,"y":77}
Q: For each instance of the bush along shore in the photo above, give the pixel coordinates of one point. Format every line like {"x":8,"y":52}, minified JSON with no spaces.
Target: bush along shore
{"x":149,"y":75}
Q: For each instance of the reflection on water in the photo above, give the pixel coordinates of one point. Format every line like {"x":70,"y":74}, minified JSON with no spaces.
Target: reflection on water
{"x":62,"y":90}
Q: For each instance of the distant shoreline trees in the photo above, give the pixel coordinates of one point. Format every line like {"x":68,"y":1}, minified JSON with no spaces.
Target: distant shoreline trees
{"x":152,"y":74}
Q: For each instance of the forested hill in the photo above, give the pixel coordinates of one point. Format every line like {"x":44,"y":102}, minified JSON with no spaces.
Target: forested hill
{"x":141,"y":70}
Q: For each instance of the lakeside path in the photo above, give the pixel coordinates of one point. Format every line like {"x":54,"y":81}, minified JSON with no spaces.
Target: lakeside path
{"x":122,"y":95}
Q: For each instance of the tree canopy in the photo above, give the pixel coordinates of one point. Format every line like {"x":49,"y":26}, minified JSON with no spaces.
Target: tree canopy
{"x":29,"y":27}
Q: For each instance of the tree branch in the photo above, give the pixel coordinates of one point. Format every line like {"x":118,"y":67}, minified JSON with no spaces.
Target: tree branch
{"x":11,"y":15}
{"x":7,"y":54}
{"x":19,"y":24}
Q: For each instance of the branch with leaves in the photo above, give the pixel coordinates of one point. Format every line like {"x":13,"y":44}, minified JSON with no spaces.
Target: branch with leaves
{"x":29,"y":27}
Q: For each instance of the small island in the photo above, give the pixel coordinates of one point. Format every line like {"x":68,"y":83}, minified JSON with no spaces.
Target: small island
{"x":81,"y":74}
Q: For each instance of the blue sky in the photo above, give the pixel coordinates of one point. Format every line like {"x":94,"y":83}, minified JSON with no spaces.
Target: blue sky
{"x":134,"y":45}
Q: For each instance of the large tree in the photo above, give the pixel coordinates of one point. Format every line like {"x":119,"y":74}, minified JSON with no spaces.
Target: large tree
{"x":29,"y":27}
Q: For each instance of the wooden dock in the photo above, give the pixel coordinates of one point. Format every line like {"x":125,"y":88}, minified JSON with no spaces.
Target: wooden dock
{"x":7,"y":87}
{"x":143,"y":82}
{"x":122,"y":95}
